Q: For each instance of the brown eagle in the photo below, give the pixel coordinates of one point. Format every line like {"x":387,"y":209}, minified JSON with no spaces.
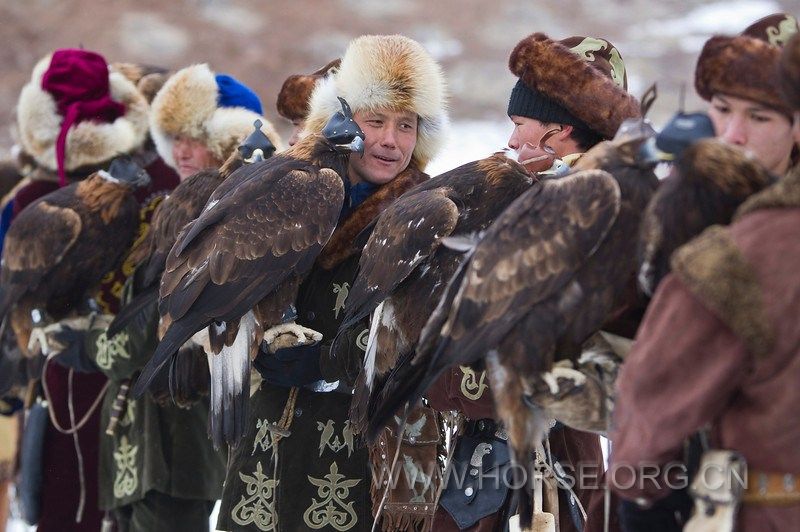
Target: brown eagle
{"x":553,"y":268}
{"x":180,"y":207}
{"x":406,"y":264}
{"x":705,"y":187}
{"x":59,"y":247}
{"x":237,"y":267}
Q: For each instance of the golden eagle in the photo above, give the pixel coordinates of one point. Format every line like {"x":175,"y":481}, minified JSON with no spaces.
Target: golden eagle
{"x":59,"y":247}
{"x":237,"y":267}
{"x":407,"y":263}
{"x":180,"y":207}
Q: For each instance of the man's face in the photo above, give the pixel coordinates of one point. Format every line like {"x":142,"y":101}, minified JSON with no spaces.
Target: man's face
{"x":759,"y":130}
{"x":390,"y":138}
{"x":530,"y":131}
{"x":191,"y":156}
{"x":297,"y":128}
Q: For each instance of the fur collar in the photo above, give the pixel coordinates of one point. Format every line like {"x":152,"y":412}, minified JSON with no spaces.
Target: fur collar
{"x":714,"y":270}
{"x":341,"y":244}
{"x":782,"y":195}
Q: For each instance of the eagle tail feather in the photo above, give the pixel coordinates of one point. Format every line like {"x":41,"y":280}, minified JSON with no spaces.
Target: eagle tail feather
{"x":230,"y":387}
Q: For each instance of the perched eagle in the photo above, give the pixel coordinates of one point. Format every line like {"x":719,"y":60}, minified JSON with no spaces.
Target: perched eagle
{"x":406,"y":265}
{"x":708,"y":182}
{"x":183,"y":205}
{"x":59,"y":247}
{"x":553,"y":268}
{"x":238,"y":266}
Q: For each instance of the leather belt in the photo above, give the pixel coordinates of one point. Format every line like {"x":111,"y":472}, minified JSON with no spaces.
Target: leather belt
{"x":485,"y":426}
{"x":771,"y":489}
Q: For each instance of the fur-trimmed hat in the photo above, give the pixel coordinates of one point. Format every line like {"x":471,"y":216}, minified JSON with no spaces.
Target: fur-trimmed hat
{"x":790,"y":72}
{"x":88,"y":142}
{"x":387,"y":71}
{"x":745,"y":66}
{"x":148,"y":78}
{"x":293,"y":99}
{"x":578,"y":81}
{"x":195,"y":103}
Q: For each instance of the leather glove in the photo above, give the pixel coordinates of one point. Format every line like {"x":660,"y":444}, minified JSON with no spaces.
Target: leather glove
{"x":185,"y":381}
{"x":290,"y":366}
{"x":67,"y":338}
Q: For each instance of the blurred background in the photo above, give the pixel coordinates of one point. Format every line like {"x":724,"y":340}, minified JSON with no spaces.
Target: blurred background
{"x":262,"y":42}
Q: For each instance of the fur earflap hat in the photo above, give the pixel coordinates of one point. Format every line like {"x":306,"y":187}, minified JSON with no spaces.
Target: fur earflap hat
{"x":387,"y":71}
{"x":790,"y":72}
{"x":579,"y":81}
{"x":75,"y":112}
{"x":216,"y":110}
{"x":148,"y":78}
{"x":294,"y":96}
{"x":745,"y":66}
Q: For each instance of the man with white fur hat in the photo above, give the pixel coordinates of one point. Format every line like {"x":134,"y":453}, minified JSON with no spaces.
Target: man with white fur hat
{"x":300,"y":466}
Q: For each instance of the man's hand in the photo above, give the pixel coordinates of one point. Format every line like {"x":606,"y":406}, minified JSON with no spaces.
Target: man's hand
{"x":66,"y":340}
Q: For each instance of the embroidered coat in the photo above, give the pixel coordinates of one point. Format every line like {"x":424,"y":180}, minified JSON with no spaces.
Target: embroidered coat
{"x":734,"y":296}
{"x":318,"y":479}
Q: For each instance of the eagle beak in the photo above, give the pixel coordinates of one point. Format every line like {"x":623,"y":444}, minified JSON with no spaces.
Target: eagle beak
{"x":357,"y":146}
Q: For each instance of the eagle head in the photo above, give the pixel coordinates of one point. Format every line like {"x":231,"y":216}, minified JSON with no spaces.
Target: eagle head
{"x":343,"y":133}
{"x":257,"y":146}
{"x":125,"y":170}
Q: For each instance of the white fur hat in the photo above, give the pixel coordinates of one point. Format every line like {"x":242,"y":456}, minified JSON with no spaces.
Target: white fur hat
{"x":387,"y":71}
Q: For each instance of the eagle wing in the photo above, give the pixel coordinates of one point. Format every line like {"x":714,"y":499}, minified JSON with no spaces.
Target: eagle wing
{"x":241,"y":248}
{"x":529,"y":254}
{"x":404,"y":236}
{"x":36,"y":243}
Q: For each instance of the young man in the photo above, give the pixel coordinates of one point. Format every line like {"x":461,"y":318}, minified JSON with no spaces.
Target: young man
{"x":577,"y":87}
{"x":737,"y":75}
{"x":717,"y":351}
{"x":300,"y":467}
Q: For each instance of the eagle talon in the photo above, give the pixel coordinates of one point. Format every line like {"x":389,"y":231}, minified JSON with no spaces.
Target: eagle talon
{"x":289,"y":335}
{"x":38,"y":342}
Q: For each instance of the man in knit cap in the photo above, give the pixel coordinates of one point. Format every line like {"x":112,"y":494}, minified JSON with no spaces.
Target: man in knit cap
{"x":300,"y":466}
{"x":717,"y":350}
{"x":576,"y":89}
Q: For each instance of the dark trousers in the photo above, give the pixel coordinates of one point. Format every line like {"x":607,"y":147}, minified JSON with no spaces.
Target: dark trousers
{"x":158,"y":512}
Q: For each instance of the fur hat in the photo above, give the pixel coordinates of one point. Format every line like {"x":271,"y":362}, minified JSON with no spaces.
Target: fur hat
{"x":190,"y":105}
{"x":88,"y":142}
{"x":148,"y":78}
{"x":790,"y":72}
{"x":387,"y":71}
{"x":580,"y":77}
{"x":293,"y":99}
{"x":745,"y":66}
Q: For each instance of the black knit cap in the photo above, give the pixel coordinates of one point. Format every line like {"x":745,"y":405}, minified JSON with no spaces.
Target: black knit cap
{"x":528,"y":102}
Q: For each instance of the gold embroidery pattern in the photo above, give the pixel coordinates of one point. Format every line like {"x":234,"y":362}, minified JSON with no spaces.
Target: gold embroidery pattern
{"x":341,"y":291}
{"x":332,"y":510}
{"x":126,"y":479}
{"x":263,"y":437}
{"x":471,"y":386}
{"x":328,"y":440}
{"x":256,"y":508}
{"x":130,"y":414}
{"x":108,"y":350}
{"x":362,"y":339}
{"x":780,"y":35}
